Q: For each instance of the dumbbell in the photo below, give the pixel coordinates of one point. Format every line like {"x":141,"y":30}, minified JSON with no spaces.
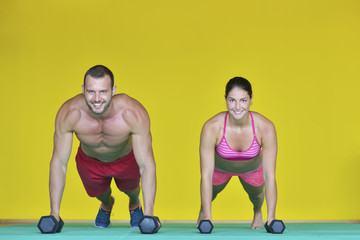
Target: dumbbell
{"x":276,"y":227}
{"x":205,"y":226}
{"x":149,"y":224}
{"x":49,"y":224}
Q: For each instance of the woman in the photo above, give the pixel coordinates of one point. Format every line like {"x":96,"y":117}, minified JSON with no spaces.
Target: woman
{"x":239,"y":143}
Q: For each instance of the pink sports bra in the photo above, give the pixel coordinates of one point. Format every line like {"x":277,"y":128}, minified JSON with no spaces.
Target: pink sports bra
{"x":224,"y":150}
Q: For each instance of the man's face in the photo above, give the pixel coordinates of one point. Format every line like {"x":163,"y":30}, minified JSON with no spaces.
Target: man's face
{"x":98,"y":93}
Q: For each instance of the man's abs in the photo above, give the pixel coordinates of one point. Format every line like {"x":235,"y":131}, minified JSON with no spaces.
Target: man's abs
{"x":106,"y":153}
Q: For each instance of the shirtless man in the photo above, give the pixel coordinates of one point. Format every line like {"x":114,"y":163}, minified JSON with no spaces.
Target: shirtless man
{"x":115,"y":142}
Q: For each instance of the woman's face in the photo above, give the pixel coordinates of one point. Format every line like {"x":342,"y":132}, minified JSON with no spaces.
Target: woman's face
{"x":238,"y":102}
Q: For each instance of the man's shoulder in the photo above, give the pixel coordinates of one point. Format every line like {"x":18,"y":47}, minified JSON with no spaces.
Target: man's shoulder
{"x":70,"y":112}
{"x":127,"y":104}
{"x":125,"y":100}
{"x":73,"y":104}
{"x":132,"y":111}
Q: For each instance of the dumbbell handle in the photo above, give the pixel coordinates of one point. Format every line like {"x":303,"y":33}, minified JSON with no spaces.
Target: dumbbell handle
{"x":60,"y":223}
{"x":158,"y":220}
{"x":60,"y":226}
{"x":267,"y":227}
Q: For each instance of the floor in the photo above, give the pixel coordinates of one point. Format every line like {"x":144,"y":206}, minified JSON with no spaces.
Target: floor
{"x":175,"y":231}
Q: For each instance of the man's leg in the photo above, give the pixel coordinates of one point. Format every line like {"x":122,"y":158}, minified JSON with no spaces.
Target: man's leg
{"x":103,"y":217}
{"x":135,"y":209}
{"x":133,"y":197}
{"x":106,"y":199}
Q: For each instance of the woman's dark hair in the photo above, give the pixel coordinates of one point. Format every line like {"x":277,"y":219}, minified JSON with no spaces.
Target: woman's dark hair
{"x":100,"y":71}
{"x":238,"y":82}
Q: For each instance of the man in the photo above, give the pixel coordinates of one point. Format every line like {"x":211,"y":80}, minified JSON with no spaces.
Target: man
{"x":115,"y":142}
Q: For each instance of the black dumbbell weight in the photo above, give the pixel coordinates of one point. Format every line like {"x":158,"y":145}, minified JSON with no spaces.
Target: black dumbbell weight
{"x":276,"y":227}
{"x":205,"y":226}
{"x":49,"y":224}
{"x":149,"y":225}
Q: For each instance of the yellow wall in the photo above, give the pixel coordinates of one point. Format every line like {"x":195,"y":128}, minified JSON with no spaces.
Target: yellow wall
{"x":175,"y":57}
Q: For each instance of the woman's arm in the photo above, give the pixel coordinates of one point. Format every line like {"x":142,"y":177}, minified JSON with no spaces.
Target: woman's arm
{"x":269,"y":151}
{"x":207,"y":163}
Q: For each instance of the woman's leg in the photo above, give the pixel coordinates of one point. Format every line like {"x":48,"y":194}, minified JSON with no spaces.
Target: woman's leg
{"x":256,"y":196}
{"x":216,"y":190}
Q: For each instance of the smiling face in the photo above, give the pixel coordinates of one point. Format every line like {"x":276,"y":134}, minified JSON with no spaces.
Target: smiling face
{"x":238,"y":103}
{"x":98,"y":93}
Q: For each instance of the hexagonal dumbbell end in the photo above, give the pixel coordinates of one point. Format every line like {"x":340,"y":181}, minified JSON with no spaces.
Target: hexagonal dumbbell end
{"x":276,"y":227}
{"x":48,"y":224}
{"x":149,"y":225}
{"x":205,"y":226}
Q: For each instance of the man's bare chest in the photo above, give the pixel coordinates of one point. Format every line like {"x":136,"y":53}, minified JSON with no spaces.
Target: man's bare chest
{"x":97,"y":133}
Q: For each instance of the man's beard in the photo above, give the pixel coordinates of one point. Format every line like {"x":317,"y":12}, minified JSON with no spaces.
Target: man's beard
{"x":98,"y":113}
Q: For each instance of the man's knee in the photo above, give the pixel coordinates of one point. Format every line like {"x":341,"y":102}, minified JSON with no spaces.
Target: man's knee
{"x":128,"y":185}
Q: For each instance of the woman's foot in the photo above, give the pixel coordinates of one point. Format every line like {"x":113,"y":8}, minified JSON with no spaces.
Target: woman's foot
{"x":257,"y":222}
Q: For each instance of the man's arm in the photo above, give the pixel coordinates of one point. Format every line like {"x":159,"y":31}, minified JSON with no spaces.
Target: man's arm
{"x":63,"y":138}
{"x":139,"y":123}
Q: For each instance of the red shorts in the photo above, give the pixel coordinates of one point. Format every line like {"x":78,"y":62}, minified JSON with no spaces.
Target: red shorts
{"x":96,"y":175}
{"x":254,"y":178}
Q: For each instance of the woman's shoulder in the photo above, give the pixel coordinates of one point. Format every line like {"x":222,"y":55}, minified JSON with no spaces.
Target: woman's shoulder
{"x":216,"y":119}
{"x":215,"y":123}
{"x":262,"y":122}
